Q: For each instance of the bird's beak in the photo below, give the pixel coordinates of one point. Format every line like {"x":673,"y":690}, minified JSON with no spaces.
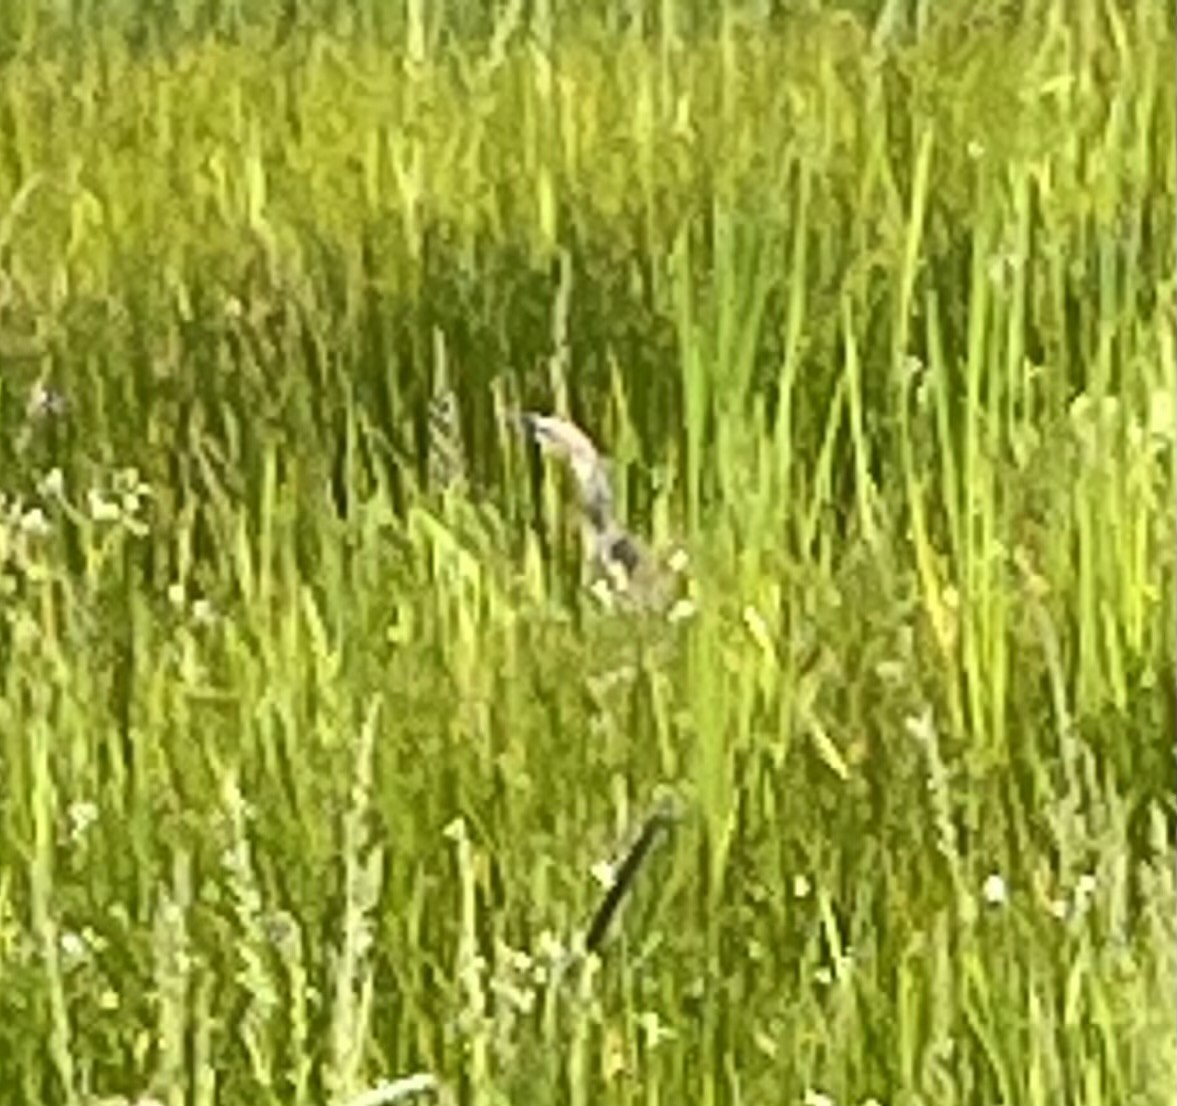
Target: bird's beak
{"x":543,"y":428}
{"x":525,"y":421}
{"x":537,"y":428}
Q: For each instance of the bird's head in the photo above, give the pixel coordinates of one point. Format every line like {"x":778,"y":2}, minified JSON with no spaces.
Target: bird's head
{"x":565,"y":440}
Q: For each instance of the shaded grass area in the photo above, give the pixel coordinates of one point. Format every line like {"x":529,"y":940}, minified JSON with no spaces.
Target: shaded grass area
{"x":309,"y":763}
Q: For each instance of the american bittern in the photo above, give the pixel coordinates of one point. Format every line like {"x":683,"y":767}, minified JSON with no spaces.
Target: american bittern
{"x":610,"y":548}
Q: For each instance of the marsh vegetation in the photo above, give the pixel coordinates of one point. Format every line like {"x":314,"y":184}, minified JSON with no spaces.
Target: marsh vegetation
{"x":308,"y":761}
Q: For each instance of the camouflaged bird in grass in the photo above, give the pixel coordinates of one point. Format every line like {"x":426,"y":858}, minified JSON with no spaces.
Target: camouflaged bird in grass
{"x":632,"y":573}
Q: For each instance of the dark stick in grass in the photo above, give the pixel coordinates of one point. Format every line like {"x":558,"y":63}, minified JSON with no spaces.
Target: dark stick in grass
{"x":657,"y":821}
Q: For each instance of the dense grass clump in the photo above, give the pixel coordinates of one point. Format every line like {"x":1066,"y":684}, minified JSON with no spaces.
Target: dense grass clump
{"x":311,"y":753}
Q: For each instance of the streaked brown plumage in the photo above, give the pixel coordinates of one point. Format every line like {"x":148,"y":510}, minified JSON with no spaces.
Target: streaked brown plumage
{"x":610,"y":548}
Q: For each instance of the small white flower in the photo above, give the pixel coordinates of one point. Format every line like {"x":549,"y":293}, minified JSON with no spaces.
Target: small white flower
{"x":801,"y":887}
{"x":518,"y":959}
{"x":34,"y":523}
{"x":681,"y":611}
{"x":101,"y":509}
{"x":202,"y":611}
{"x":654,"y":1028}
{"x":921,"y":726}
{"x":549,"y":948}
{"x":817,"y":1098}
{"x":82,"y":815}
{"x":52,"y":484}
{"x":1057,"y":908}
{"x":132,"y":490}
{"x":993,"y":890}
{"x":602,"y":872}
{"x":176,"y":594}
{"x":72,"y":945}
{"x":603,"y":593}
{"x":678,"y":561}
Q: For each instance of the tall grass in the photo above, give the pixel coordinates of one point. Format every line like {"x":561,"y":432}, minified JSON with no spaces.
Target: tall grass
{"x":309,"y":764}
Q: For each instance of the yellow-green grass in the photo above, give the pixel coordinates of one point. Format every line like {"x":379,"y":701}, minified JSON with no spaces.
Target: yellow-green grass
{"x":307,"y":765}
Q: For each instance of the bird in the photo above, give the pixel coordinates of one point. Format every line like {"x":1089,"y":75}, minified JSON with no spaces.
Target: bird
{"x":623,"y":560}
